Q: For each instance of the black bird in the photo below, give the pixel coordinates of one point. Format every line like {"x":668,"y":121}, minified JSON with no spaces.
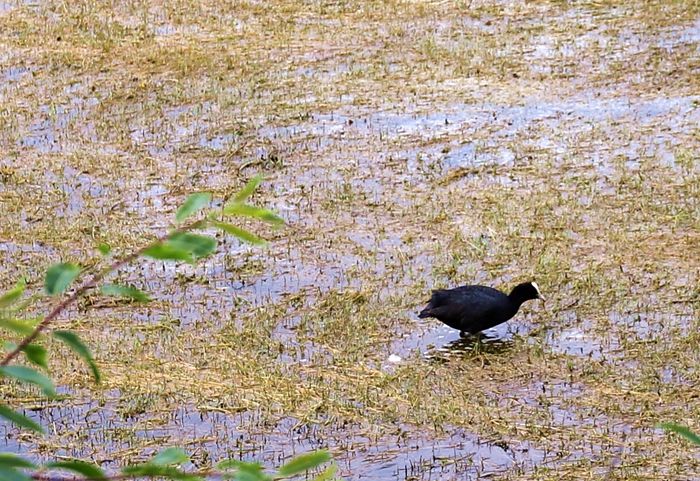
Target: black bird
{"x":472,"y":309}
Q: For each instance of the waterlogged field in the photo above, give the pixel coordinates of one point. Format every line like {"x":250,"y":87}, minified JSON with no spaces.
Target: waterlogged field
{"x":408,"y":145}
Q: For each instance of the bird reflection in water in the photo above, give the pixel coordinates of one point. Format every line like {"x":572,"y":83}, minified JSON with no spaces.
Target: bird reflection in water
{"x":469,"y":345}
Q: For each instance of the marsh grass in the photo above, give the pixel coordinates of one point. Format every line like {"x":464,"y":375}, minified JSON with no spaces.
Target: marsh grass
{"x":584,"y":176}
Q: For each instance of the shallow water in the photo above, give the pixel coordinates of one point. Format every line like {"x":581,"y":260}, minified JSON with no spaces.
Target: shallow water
{"x":385,"y":198}
{"x":367,"y":454}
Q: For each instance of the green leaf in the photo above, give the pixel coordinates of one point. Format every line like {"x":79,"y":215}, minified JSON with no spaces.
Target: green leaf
{"x":125,"y":291}
{"x":19,"y":419}
{"x":170,"y":456}
{"x":242,"y":471}
{"x":227,"y":464}
{"x":248,"y":189}
{"x":88,"y":470}
{"x":167,"y":252}
{"x":74,"y":342}
{"x":197,"y":245}
{"x":9,"y":460}
{"x":23,"y":304}
{"x":59,"y":277}
{"x":12,"y":474}
{"x":242,"y":234}
{"x":681,"y":430}
{"x":246,"y":210}
{"x":192,"y":204}
{"x":31,"y":376}
{"x":37,"y":355}
{"x":249,"y":476}
{"x":19,"y":326}
{"x":151,"y":470}
{"x":104,"y":248}
{"x":304,"y":462}
{"x":327,"y":474}
{"x":13,"y":295}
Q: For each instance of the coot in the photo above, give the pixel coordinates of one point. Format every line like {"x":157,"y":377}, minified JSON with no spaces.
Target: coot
{"x":472,"y":309}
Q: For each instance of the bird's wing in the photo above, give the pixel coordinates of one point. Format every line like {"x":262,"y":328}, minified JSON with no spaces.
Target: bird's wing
{"x":477,"y":292}
{"x":470,"y":308}
{"x":466,"y":306}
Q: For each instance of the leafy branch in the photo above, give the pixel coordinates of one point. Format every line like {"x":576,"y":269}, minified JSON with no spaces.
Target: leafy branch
{"x":180,"y":244}
{"x":168,"y":464}
{"x":59,"y":276}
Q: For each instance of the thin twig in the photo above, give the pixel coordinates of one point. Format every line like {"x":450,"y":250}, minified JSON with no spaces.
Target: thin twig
{"x":48,"y":477}
{"x":90,"y":284}
{"x":204,"y":473}
{"x":208,"y":473}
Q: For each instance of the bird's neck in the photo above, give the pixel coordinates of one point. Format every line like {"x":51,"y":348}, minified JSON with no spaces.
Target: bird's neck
{"x":517,"y":299}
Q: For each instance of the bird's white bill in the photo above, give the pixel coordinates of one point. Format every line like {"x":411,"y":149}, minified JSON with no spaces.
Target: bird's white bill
{"x":537,"y":288}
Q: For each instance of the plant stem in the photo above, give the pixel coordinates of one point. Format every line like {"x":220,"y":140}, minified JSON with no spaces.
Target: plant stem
{"x":90,"y":284}
{"x":119,"y":477}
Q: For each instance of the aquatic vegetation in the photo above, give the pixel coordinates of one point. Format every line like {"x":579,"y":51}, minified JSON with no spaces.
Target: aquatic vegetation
{"x":408,"y":146}
{"x":179,"y":244}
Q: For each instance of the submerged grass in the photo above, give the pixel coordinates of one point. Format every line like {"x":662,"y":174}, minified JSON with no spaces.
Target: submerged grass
{"x":409,"y":145}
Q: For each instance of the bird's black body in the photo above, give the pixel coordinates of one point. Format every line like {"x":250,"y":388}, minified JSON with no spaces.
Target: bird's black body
{"x":475,"y":308}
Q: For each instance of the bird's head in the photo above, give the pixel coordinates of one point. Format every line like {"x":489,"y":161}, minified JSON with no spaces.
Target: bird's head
{"x":526,"y":291}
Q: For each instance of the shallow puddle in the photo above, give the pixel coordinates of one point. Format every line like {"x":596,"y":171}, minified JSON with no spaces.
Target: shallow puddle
{"x":421,"y":147}
{"x":362,"y":452}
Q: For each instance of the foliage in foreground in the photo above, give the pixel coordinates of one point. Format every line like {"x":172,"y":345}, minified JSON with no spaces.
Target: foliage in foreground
{"x":682,"y":431}
{"x":181,"y":244}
